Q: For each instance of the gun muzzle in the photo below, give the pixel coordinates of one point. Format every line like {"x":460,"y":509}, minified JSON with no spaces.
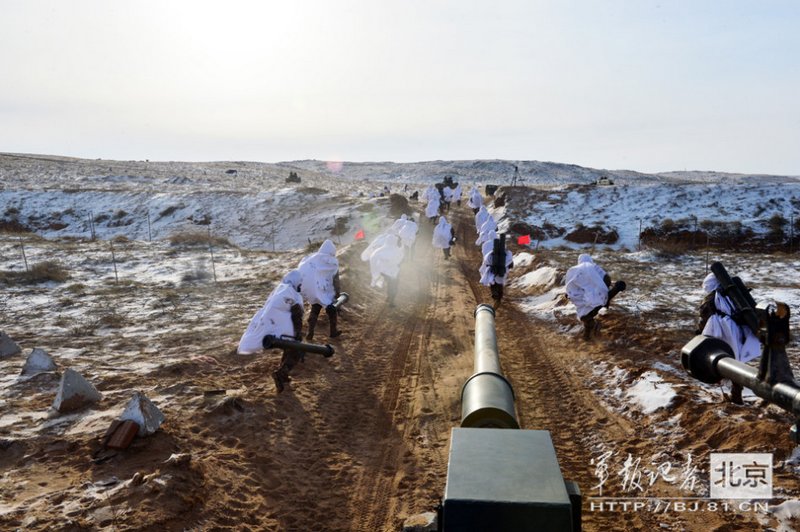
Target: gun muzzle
{"x":738,"y":294}
{"x":272,"y":342}
{"x":343,"y":298}
{"x":487,"y":399}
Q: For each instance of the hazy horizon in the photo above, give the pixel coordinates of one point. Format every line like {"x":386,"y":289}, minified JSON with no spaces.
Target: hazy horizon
{"x":619,"y":84}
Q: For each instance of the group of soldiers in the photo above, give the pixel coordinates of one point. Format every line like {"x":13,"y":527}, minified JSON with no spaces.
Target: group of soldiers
{"x":316,"y":279}
{"x":588,"y":286}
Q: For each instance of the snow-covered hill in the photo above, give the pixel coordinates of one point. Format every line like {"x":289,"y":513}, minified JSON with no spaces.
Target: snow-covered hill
{"x":253,"y":206}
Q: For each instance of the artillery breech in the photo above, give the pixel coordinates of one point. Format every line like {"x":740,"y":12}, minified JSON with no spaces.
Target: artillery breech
{"x":487,"y":398}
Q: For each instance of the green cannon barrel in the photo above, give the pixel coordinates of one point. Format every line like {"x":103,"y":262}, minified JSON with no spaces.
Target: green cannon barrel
{"x":487,"y":399}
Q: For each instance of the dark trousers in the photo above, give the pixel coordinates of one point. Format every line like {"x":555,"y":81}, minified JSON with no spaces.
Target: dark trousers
{"x":391,"y":288}
{"x":313,"y":316}
{"x":289,"y":360}
{"x":497,"y":291}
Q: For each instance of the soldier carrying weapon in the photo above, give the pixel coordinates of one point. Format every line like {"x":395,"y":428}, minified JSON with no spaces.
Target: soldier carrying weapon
{"x":494,"y":269}
{"x":589,"y":288}
{"x":321,"y":286}
{"x":281,"y":316}
{"x":719,"y":320}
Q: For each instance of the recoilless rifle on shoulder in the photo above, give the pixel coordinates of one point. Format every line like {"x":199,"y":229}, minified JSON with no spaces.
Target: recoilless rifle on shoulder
{"x":710,"y":359}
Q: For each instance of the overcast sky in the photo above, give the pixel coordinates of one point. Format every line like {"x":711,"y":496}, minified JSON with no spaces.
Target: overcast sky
{"x":636,"y":84}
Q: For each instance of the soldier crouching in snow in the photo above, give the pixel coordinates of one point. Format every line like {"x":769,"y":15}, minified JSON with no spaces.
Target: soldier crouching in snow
{"x":281,"y":316}
{"x":589,"y":288}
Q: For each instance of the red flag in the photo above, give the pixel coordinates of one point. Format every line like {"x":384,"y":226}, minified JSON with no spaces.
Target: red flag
{"x":523,"y":240}
{"x":360,"y":234}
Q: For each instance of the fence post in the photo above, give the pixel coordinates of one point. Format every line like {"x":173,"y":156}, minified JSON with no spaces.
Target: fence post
{"x":24,"y":258}
{"x":91,"y":226}
{"x":149,"y":230}
{"x":114,"y":260}
{"x":639,"y":245}
{"x":791,"y":233}
{"x":708,"y":249}
{"x":211,"y":250}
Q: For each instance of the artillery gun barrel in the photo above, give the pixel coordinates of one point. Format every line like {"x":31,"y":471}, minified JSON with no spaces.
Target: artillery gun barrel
{"x":487,"y":398}
{"x":711,"y":360}
{"x":273,"y":342}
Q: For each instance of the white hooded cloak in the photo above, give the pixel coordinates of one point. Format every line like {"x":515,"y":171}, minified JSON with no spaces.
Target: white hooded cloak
{"x":432,"y":209}
{"x":475,"y":199}
{"x":375,"y":244}
{"x":457,"y":193}
{"x":408,"y":233}
{"x":585,"y":286}
{"x":442,"y":234}
{"x":386,"y":260}
{"x":275,"y":316}
{"x":743,"y":342}
{"x":481,"y":217}
{"x":318,"y":271}
{"x":488,"y":225}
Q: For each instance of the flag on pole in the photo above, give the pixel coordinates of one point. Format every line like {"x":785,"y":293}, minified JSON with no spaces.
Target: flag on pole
{"x":524,"y":240}
{"x":360,"y":234}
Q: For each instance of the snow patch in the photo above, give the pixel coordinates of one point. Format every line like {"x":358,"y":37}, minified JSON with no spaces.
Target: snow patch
{"x":650,"y":392}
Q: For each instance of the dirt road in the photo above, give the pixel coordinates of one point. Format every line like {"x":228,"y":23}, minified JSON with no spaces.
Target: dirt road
{"x":358,"y":441}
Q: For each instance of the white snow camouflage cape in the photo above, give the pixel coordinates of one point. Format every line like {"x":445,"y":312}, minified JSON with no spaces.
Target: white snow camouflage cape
{"x":743,"y":342}
{"x":379,"y":241}
{"x":475,"y":199}
{"x":408,"y":232}
{"x":487,"y":247}
{"x":318,"y":271}
{"x":385,"y":260}
{"x":432,"y":209}
{"x":487,"y":277}
{"x":275,"y":316}
{"x":441,"y":234}
{"x":481,"y":217}
{"x":457,"y":193}
{"x":488,"y":225}
{"x":585,"y":286}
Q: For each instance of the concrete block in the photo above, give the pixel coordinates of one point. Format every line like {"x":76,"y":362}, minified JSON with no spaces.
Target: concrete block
{"x":74,"y":392}
{"x":7,"y":346}
{"x":38,"y":362}
{"x":141,"y":410}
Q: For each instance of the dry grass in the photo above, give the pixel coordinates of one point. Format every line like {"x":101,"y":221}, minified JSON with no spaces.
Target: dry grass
{"x":198,"y":238}
{"x":41,"y":272}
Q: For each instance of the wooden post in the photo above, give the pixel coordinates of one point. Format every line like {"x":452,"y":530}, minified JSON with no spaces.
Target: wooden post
{"x":211,"y":250}
{"x":24,"y":258}
{"x":708,"y":250}
{"x":114,"y":260}
{"x":91,"y":226}
{"x":149,"y":230}
{"x":639,"y":245}
{"x":791,"y":233}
